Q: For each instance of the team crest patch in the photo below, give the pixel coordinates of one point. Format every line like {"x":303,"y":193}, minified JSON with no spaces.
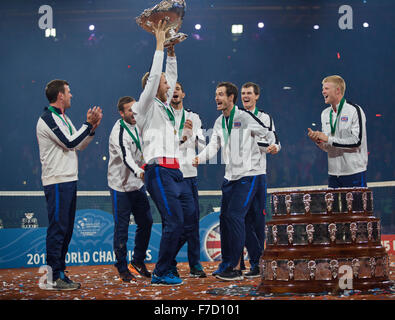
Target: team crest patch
{"x":345,"y":119}
{"x":236,"y":124}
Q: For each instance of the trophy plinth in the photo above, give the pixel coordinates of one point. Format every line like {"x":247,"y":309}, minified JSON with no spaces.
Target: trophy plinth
{"x":170,"y":10}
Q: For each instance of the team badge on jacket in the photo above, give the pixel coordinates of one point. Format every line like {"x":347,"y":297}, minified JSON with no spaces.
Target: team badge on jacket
{"x":345,"y":119}
{"x":236,"y":124}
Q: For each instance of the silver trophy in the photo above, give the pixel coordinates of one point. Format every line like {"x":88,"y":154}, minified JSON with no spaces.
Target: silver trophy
{"x":275,"y":203}
{"x":290,"y":233}
{"x":306,"y":201}
{"x":329,"y":201}
{"x":365,"y":200}
{"x":372,"y":263}
{"x":332,"y":231}
{"x":274,"y":232}
{"x":353,"y":229}
{"x":310,"y":233}
{"x":288,"y":202}
{"x":334,"y":267}
{"x":349,"y":199}
{"x":356,"y":265}
{"x":370,"y":230}
{"x":291,"y":269}
{"x":312,"y":268}
{"x":170,"y":10}
{"x":274,"y":269}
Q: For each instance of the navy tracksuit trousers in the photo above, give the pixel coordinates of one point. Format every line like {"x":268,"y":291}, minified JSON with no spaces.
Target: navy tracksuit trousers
{"x":175,"y":203}
{"x":191,"y":227}
{"x":237,"y":197}
{"x":61,"y":205}
{"x":255,"y":223}
{"x":124,"y":203}
{"x":349,"y":181}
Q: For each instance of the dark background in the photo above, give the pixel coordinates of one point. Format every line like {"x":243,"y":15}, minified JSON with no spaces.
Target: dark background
{"x":108,"y":63}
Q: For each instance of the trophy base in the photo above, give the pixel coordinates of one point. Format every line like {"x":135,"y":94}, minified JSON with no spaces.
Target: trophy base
{"x":177,"y":38}
{"x":311,"y":286}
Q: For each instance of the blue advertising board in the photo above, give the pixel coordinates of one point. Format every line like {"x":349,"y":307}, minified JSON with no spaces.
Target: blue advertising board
{"x":92,"y":242}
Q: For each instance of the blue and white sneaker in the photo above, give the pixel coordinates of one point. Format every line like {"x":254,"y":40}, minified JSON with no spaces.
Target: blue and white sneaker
{"x":166,"y":280}
{"x":221,"y":268}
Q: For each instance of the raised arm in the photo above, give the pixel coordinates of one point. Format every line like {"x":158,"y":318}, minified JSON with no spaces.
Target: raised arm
{"x":171,"y":72}
{"x":151,"y":86}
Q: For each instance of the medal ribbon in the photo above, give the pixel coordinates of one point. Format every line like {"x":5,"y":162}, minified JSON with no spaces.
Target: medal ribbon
{"x":256,"y":111}
{"x":52,"y":109}
{"x":333,"y":127}
{"x":181,"y":123}
{"x":168,"y":111}
{"x":230,"y":125}
{"x":136,"y":138}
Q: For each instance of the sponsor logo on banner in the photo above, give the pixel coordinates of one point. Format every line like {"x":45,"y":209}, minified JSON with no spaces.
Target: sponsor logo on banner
{"x":29,"y":222}
{"x":89,"y":225}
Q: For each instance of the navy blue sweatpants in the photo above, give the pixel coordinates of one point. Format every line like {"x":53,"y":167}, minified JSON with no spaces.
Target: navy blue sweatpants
{"x":255,"y":223}
{"x":175,"y":203}
{"x":237,"y":196}
{"x":191,"y":227}
{"x":61,"y":205}
{"x":123,"y":204}
{"x":349,"y":181}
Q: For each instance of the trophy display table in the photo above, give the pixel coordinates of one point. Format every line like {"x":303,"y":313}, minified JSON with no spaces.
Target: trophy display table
{"x":323,"y":240}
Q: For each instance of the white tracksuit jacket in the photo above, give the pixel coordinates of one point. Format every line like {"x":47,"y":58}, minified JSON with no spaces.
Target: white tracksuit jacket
{"x":272,"y":138}
{"x":241,"y":153}
{"x":187,"y":150}
{"x":160,"y":136}
{"x":347,"y":148}
{"x":124,"y":165}
{"x":58,"y":148}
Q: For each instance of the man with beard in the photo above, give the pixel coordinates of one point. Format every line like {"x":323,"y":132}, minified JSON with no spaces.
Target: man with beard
{"x":191,"y":137}
{"x":163,"y":178}
{"x":236,"y":132}
{"x":128,"y":194}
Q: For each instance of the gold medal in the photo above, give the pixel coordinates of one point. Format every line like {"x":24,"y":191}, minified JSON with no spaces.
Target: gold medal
{"x":175,"y":131}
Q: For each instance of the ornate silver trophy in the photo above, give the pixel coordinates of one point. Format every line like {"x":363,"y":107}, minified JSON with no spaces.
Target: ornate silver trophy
{"x":170,"y":10}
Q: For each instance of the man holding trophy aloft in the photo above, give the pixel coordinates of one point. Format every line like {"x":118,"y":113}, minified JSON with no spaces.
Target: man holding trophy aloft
{"x":163,"y":178}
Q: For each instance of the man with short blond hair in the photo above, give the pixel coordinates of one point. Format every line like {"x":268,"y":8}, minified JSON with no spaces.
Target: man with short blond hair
{"x":343,"y":136}
{"x":338,"y":81}
{"x":163,"y":178}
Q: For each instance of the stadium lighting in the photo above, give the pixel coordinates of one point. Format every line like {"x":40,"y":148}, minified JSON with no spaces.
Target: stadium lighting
{"x":237,"y":28}
{"x":365,"y":25}
{"x":92,"y":27}
{"x":261,"y":25}
{"x":316,"y":27}
{"x":198,"y":26}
